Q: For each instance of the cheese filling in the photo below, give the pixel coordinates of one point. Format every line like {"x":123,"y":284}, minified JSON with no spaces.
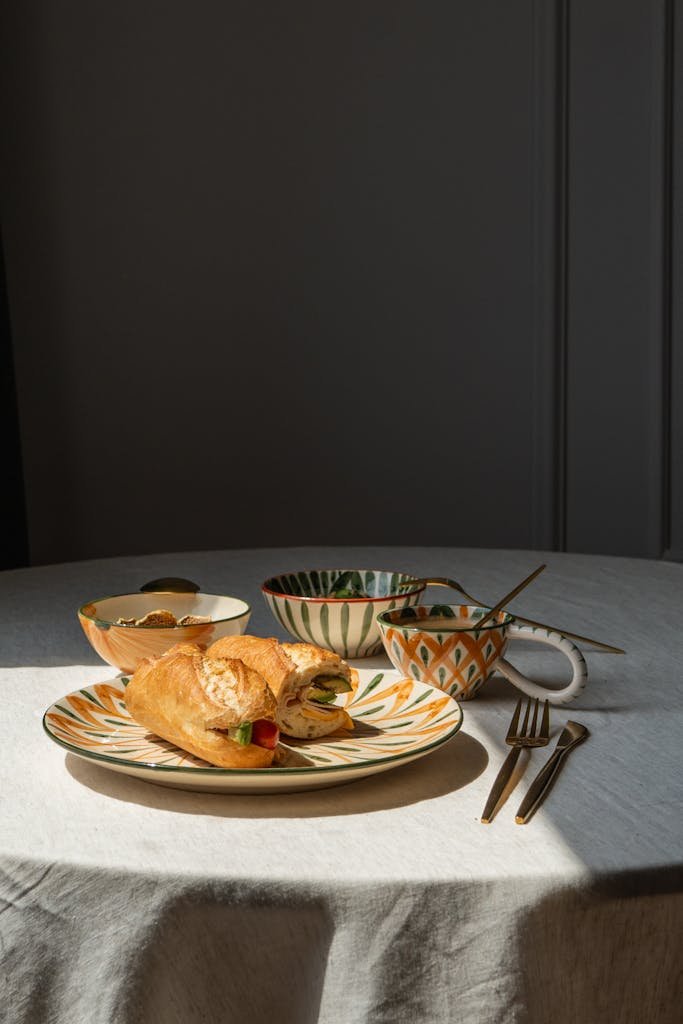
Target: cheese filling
{"x":307,"y":719}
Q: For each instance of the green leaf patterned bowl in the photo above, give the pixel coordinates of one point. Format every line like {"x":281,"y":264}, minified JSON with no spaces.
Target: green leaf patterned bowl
{"x":338,"y":608}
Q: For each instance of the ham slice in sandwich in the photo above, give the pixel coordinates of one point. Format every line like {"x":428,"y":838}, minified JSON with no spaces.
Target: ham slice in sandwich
{"x":303,"y":678}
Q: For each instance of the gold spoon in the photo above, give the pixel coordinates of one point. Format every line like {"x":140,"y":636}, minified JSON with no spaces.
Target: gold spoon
{"x":444,"y":581}
{"x":508,"y":597}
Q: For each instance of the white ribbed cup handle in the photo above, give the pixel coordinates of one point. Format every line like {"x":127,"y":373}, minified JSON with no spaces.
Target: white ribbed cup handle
{"x":546,"y":636}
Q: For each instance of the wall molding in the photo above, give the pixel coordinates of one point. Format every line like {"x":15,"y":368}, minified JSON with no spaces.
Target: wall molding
{"x":667,"y":215}
{"x":673,"y":387}
{"x":562,"y":135}
{"x":14,"y":551}
{"x":550,"y":28}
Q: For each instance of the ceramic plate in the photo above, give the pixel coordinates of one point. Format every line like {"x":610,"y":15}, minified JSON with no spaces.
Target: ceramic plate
{"x":397,"y":720}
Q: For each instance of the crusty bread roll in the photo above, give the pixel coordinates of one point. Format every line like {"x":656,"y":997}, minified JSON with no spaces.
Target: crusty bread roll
{"x":191,"y":700}
{"x":290,"y":670}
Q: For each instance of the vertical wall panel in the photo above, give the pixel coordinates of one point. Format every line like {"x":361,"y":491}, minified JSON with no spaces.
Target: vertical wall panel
{"x":13,"y":538}
{"x":548,"y":212}
{"x":617,"y":259}
{"x":251,"y":244}
{"x":675,"y":522}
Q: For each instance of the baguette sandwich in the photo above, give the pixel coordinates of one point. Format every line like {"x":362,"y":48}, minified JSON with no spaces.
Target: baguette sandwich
{"x":217,"y":709}
{"x":304,"y":680}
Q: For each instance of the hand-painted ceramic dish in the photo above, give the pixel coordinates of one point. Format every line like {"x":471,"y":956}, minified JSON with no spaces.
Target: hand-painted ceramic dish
{"x":397,"y":720}
{"x":444,"y":645}
{"x":337,"y":608}
{"x":125,"y":646}
{"x":457,"y":658}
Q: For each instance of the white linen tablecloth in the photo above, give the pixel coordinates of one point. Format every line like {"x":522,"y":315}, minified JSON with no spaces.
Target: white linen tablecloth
{"x":385,"y":900}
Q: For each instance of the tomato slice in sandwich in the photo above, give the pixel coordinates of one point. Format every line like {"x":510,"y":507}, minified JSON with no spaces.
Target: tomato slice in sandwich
{"x":265,"y":733}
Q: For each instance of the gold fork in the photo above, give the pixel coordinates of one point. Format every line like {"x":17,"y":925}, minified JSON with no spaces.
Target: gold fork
{"x":517,"y":737}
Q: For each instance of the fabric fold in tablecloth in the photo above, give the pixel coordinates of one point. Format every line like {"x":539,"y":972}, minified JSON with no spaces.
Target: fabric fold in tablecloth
{"x":100,"y":947}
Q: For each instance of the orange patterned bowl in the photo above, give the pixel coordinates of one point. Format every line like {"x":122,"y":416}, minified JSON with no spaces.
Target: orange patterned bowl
{"x":125,"y":646}
{"x":441,"y":644}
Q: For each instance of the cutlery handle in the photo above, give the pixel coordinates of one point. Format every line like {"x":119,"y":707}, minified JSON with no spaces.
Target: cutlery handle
{"x":540,"y":786}
{"x":444,"y":581}
{"x":170,"y":585}
{"x":508,"y":597}
{"x":571,"y":636}
{"x":499,"y":785}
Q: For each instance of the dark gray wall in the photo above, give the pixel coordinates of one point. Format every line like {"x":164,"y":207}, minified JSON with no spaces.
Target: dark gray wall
{"x":674,"y":393}
{"x":344,"y":273}
{"x":13,"y":535}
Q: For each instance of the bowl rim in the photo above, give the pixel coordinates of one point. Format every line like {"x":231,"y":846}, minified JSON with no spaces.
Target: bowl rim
{"x":162,"y":593}
{"x":382,"y":621}
{"x":339,"y":600}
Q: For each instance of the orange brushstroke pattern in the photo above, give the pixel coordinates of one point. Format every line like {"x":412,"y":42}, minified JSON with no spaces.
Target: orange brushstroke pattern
{"x":403,"y":724}
{"x":465,"y":659}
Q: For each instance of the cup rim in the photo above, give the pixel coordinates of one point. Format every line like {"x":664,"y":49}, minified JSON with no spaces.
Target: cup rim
{"x":265,"y":589}
{"x":161,"y":593}
{"x":418,"y":626}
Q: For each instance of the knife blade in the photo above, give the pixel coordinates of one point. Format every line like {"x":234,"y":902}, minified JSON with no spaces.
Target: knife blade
{"x":498,"y":787}
{"x":572,"y":734}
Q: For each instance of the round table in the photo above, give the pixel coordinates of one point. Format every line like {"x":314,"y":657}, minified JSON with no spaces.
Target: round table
{"x":385,"y":900}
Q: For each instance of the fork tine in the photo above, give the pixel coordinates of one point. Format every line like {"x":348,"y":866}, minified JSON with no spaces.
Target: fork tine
{"x":532,"y":730}
{"x":516,"y":738}
{"x":512,"y":731}
{"x":545,"y":722}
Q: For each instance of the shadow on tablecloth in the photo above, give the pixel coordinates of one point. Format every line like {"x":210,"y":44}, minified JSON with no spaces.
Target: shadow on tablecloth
{"x":455,"y":765}
{"x":607,"y":951}
{"x":206,"y":962}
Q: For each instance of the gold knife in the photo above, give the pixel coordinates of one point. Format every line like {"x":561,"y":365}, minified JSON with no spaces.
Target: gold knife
{"x":571,"y":735}
{"x":502,"y":779}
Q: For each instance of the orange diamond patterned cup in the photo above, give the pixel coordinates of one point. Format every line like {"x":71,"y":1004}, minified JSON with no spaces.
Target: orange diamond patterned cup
{"x":441,"y":645}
